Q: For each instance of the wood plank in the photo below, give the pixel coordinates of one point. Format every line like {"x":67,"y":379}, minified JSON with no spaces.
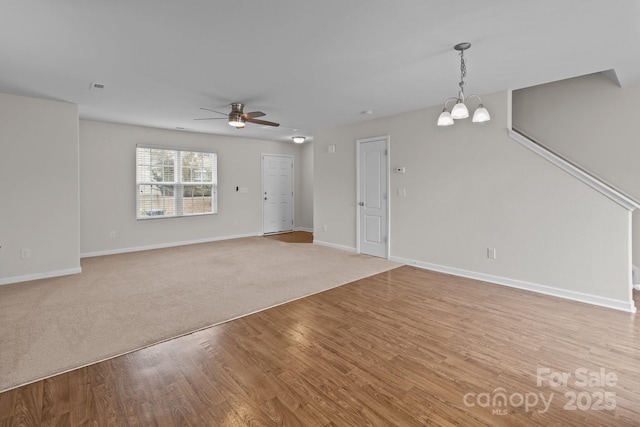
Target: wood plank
{"x":8,"y":404}
{"x":81,"y":403}
{"x":28,"y":405}
{"x":55,"y":401}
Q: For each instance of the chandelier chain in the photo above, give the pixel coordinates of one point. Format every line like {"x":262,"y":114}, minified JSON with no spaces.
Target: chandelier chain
{"x":463,"y":69}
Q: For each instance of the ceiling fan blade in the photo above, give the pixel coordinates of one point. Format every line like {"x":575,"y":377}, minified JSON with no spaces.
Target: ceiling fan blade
{"x":213,"y":111}
{"x":211,"y":118}
{"x":262,"y":122}
{"x":253,"y":115}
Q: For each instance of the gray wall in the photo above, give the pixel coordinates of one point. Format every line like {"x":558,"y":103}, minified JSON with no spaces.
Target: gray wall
{"x":39,"y":191}
{"x":107,"y":188}
{"x":591,"y":121}
{"x":470,"y":187}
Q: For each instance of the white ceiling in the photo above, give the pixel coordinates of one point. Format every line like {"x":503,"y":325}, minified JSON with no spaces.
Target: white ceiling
{"x":307,"y":64}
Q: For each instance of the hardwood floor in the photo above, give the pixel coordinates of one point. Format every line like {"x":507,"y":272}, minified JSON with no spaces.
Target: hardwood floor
{"x":406,"y":347}
{"x":292,"y":237}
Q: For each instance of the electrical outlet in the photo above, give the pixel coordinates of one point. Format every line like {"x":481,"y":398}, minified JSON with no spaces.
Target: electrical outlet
{"x":491,"y":253}
{"x":25,"y":253}
{"x":112,"y":234}
{"x":325,"y":228}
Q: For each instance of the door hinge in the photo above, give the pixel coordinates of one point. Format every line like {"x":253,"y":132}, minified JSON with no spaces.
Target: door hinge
{"x":385,"y":239}
{"x":385,"y":152}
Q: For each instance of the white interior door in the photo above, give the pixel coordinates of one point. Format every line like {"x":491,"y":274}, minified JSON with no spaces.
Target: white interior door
{"x":277,"y":189}
{"x":373,"y":185}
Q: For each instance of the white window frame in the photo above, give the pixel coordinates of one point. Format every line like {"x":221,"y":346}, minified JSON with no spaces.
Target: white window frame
{"x":177,"y":183}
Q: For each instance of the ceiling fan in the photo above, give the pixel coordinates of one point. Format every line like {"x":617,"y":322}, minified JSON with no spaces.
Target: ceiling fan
{"x":238,"y":119}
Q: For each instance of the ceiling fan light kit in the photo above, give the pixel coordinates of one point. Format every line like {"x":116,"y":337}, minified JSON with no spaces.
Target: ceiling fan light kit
{"x":236,"y":120}
{"x":298,"y":139}
{"x":460,"y":109}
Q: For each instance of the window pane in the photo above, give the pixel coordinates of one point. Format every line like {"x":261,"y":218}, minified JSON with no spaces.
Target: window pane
{"x":155,"y":165}
{"x":156,"y":200}
{"x":197,"y":166}
{"x":162,"y":165}
{"x":197,"y":199}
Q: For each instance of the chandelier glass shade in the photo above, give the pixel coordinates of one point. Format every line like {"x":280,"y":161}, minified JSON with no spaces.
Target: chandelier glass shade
{"x":460,"y":109}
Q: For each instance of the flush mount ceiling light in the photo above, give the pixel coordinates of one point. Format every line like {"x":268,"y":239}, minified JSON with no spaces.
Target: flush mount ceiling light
{"x":460,"y":110}
{"x":298,"y":139}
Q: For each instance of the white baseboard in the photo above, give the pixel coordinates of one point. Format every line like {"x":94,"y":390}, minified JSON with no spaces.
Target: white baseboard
{"x":332,"y":245}
{"x":628,"y":306}
{"x":166,"y":245}
{"x":37,"y":276}
{"x":308,"y":230}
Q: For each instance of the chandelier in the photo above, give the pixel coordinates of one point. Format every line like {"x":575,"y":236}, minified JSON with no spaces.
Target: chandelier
{"x":460,"y":110}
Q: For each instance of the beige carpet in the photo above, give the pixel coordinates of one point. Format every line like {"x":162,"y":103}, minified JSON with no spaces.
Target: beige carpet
{"x":120,"y":303}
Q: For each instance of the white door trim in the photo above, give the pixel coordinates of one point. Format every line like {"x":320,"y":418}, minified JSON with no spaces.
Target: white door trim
{"x":387,"y":140}
{"x":293,"y":182}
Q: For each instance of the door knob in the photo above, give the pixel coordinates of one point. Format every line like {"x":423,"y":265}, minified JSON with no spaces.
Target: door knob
{"x":265,"y":198}
{"x":361,"y":204}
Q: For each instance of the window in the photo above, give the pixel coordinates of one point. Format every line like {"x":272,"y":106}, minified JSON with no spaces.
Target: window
{"x":174,"y":182}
